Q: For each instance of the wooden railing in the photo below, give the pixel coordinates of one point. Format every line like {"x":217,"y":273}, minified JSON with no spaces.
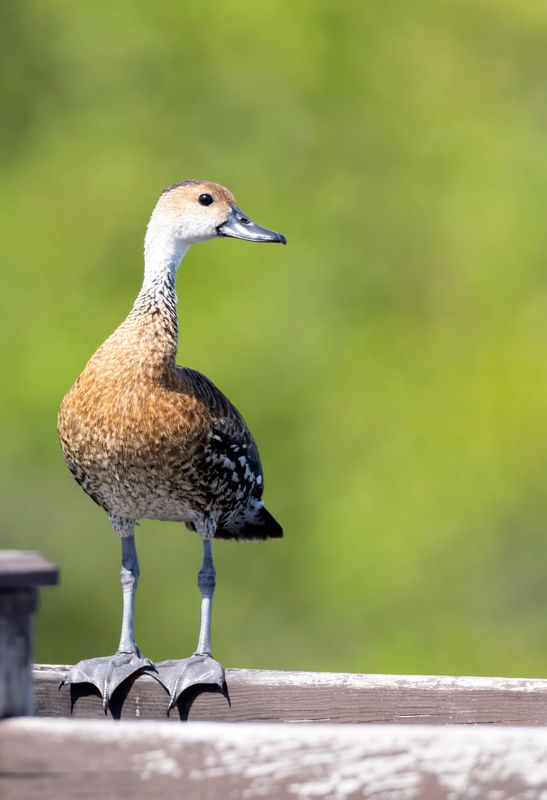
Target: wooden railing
{"x":301,"y":734}
{"x":64,"y":759}
{"x":268,"y":696}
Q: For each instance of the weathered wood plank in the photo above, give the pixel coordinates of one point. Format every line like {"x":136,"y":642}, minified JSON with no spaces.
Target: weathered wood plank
{"x":20,"y":573}
{"x":73,"y":759}
{"x":256,"y":695}
{"x":20,"y":568}
{"x":16,"y":609}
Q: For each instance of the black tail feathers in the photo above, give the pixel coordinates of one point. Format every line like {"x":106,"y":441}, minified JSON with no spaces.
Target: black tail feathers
{"x":251,"y":524}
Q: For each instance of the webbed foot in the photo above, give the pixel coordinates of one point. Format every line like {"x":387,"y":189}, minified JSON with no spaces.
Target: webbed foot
{"x":178,"y":675}
{"x":107,"y":673}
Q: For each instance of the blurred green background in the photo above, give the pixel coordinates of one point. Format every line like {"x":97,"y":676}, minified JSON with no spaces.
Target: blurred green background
{"x":391,"y":361}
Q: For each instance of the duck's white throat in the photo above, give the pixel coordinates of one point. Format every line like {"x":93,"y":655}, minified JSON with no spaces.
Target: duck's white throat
{"x":163,"y":252}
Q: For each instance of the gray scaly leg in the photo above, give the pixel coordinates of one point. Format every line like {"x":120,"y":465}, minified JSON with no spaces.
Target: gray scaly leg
{"x":200,"y":668}
{"x":129,"y":576}
{"x":206,"y":585}
{"x":109,"y":672}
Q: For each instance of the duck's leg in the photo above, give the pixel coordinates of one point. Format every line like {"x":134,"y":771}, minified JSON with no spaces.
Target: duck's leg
{"x":200,"y":668}
{"x":206,"y":586}
{"x":109,"y":672}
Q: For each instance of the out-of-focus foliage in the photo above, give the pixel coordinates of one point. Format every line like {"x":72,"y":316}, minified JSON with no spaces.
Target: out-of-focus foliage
{"x":391,"y":361}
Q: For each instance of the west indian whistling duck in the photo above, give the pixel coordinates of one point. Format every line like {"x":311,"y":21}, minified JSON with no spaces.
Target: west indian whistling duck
{"x":147,"y":439}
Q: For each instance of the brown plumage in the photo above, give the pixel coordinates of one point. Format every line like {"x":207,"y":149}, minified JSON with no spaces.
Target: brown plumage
{"x":149,"y":440}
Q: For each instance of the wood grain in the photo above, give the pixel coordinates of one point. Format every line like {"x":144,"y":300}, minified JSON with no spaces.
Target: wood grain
{"x":74,"y":759}
{"x":269,"y":696}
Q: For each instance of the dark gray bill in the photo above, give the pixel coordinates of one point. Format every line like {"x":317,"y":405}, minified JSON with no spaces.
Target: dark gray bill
{"x":238,"y":226}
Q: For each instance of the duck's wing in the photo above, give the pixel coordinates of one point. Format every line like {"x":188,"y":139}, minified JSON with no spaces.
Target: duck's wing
{"x":230,"y":445}
{"x":217,"y":416}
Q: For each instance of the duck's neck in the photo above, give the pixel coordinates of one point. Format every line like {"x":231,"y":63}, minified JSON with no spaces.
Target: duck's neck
{"x":154,"y":313}
{"x":161,"y":262}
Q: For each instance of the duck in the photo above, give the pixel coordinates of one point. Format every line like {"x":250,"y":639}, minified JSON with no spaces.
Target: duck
{"x":147,"y":439}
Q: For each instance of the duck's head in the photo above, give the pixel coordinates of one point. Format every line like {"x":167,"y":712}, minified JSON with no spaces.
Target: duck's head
{"x":196,"y":211}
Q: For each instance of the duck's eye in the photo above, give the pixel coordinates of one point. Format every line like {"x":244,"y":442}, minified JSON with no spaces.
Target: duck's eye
{"x":205,"y":199}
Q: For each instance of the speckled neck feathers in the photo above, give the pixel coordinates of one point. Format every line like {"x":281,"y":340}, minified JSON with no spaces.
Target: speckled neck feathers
{"x":153,"y":319}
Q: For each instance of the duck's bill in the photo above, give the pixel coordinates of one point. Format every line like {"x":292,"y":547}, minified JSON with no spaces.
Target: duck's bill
{"x":238,"y":226}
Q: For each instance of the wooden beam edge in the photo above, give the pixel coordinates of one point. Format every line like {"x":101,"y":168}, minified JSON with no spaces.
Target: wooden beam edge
{"x":343,"y":680}
{"x":204,"y":760}
{"x":277,"y":696}
{"x":24,"y":568}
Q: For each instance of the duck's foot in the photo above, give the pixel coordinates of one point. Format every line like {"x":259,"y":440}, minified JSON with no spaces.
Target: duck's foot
{"x":108,"y":672}
{"x":178,"y":675}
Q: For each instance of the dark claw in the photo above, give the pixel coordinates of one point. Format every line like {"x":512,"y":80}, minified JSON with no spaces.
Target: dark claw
{"x":108,"y":673}
{"x":177,"y":676}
